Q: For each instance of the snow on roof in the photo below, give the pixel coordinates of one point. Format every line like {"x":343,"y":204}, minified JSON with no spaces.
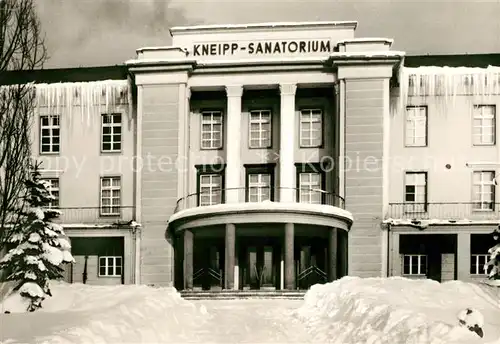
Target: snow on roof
{"x":437,"y":70}
{"x":178,"y":29}
{"x":84,"y":83}
{"x":366,"y":40}
{"x":158,"y":61}
{"x":166,"y":47}
{"x":426,"y":223}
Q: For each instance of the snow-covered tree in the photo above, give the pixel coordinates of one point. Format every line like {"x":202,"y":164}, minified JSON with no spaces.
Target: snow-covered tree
{"x":40,"y":248}
{"x":494,"y":252}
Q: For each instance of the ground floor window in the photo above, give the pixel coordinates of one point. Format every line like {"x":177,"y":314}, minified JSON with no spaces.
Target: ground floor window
{"x":415,"y":264}
{"x":479,"y":246}
{"x":110,"y":266}
{"x":478,"y":262}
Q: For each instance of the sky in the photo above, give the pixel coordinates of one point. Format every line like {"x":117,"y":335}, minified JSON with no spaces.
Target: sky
{"x":108,"y":32}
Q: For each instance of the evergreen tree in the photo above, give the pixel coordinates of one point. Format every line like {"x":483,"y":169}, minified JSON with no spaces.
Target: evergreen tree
{"x":494,"y":252}
{"x":39,"y":247}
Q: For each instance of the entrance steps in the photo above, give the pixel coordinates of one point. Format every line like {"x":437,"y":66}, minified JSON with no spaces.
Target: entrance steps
{"x":242,"y":294}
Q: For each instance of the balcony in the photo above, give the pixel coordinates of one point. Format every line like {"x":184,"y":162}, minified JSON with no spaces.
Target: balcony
{"x":260,"y":205}
{"x":97,"y":216}
{"x":452,"y":211}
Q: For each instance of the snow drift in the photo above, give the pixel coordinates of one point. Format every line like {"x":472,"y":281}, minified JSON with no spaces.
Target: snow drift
{"x":398,"y":310}
{"x":80,"y":313}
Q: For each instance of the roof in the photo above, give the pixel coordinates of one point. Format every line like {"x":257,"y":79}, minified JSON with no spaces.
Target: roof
{"x":465,"y":60}
{"x":80,"y":74}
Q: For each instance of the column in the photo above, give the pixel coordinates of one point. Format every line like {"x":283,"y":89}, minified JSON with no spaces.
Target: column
{"x":288,"y":134}
{"x":332,"y":254}
{"x":188,"y":259}
{"x":289,"y":259}
{"x":229,"y":256}
{"x":463,"y":256}
{"x":233,"y":128}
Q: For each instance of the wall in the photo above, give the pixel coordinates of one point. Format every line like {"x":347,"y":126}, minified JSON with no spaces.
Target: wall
{"x":80,"y":161}
{"x":159,"y":108}
{"x":262,"y":100}
{"x":449,"y":142}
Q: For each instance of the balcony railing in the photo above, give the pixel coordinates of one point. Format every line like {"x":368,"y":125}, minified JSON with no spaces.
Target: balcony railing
{"x":263,"y":194}
{"x":95,"y":215}
{"x":444,"y":211}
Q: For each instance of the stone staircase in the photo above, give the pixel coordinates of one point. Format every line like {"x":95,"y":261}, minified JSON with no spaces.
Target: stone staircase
{"x":242,"y":294}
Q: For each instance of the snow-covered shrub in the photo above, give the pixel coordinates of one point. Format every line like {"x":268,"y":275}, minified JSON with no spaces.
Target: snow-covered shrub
{"x":494,"y":253}
{"x":473,"y":320}
{"x":40,"y":248}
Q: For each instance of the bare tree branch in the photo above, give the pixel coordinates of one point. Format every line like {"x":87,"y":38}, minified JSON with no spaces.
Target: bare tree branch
{"x":22,"y":47}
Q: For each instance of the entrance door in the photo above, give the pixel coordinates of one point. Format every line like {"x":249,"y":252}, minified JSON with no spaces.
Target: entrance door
{"x":311,"y":266}
{"x":208,"y":263}
{"x":260,"y":268}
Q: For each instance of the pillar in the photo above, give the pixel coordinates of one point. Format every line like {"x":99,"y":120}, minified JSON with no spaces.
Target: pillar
{"x":233,"y":152}
{"x":289,"y":259}
{"x":332,"y":254}
{"x":229,"y":256}
{"x":463,"y":256}
{"x":188,"y":259}
{"x":395,"y":256}
{"x":287,"y":143}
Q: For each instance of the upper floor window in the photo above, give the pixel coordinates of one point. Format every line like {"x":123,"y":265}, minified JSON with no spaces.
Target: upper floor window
{"x":310,"y":183}
{"x":483,"y":190}
{"x":416,"y":191}
{"x":311,"y":128}
{"x":210,"y":189}
{"x":415,"y":264}
{"x":416,"y":126}
{"x":111,"y":140}
{"x":211,"y":130}
{"x":110,"y":195}
{"x":260,"y":180}
{"x":260,"y":129}
{"x":484,"y":125}
{"x":50,"y":135}
{"x":53,"y":188}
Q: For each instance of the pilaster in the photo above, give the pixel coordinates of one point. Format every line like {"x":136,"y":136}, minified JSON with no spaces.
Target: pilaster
{"x":287,"y":143}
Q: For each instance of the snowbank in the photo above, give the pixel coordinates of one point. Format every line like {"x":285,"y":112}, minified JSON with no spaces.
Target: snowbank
{"x":398,"y":310}
{"x":80,"y":313}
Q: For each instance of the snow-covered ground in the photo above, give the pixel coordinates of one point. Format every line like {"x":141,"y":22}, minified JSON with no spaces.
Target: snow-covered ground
{"x":351,"y":310}
{"x":398,"y":310}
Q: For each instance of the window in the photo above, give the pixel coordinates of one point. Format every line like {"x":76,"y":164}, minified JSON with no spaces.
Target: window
{"x":260,"y":182}
{"x":50,"y":135}
{"x":110,"y":195}
{"x":311,"y":128}
{"x":210,"y":189}
{"x":111,"y":132}
{"x":477,"y":264}
{"x":110,"y":266}
{"x":53,"y":187}
{"x":483,"y":190}
{"x":415,"y":264}
{"x":211,"y":130}
{"x":415,"y":192}
{"x":260,"y":129}
{"x":310,"y":183}
{"x":416,"y":126}
{"x":484,"y":125}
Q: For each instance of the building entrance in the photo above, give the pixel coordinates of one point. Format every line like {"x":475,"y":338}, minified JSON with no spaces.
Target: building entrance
{"x":259,"y":264}
{"x":208,"y":272}
{"x":311,"y":263}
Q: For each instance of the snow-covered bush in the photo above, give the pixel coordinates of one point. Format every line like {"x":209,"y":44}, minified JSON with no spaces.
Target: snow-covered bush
{"x":494,"y":253}
{"x":473,"y":320}
{"x":40,"y":248}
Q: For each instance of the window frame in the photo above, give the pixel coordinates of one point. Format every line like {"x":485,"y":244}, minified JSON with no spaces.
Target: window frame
{"x":114,"y":266}
{"x":419,"y":264}
{"x":251,"y":169}
{"x":310,"y":168}
{"x":51,"y":189}
{"x":415,"y":121}
{"x":51,"y":136}
{"x":202,"y":170}
{"x":414,"y":207}
{"x":203,"y":113}
{"x":112,"y":127}
{"x":481,"y":192}
{"x":111,"y":188}
{"x":270,"y":145}
{"x":322,"y":126}
{"x":475,"y":264}
{"x":482,"y":118}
